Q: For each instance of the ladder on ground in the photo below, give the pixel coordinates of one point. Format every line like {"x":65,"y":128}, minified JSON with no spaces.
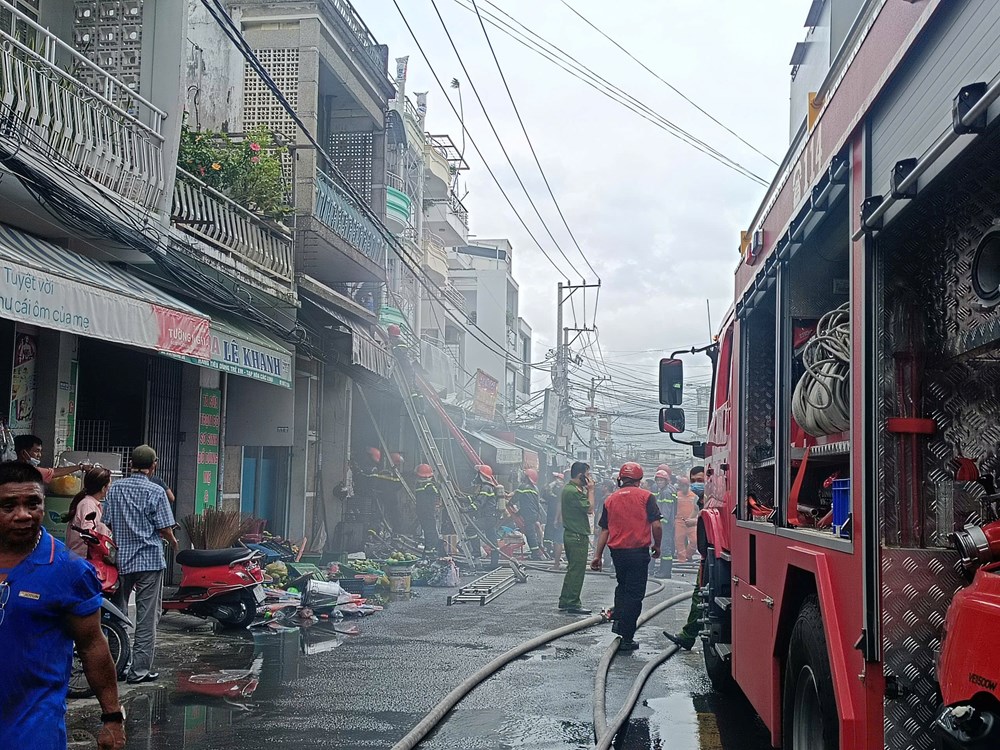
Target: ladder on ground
{"x":485,"y":589}
{"x":449,"y":493}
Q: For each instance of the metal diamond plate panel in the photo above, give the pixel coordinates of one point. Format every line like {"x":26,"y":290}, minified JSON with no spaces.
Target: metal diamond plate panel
{"x":917,"y":586}
{"x":929,"y":314}
{"x":760,"y":327}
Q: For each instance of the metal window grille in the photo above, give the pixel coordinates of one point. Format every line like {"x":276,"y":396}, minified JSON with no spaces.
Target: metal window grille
{"x":261,"y":108}
{"x":109,"y":33}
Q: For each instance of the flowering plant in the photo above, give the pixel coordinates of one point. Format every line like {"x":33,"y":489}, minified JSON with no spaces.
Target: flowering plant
{"x":248,"y":170}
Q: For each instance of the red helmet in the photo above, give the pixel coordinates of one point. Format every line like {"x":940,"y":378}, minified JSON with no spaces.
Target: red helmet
{"x":664,"y":467}
{"x":558,"y":475}
{"x":393,"y":330}
{"x":630,"y":470}
{"x":486,"y":473}
{"x":424,"y":471}
{"x":397,"y":459}
{"x":375,"y":454}
{"x":662,"y":474}
{"x":532,"y":475}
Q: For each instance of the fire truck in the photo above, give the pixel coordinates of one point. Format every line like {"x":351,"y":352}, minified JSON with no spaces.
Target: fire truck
{"x":851,"y":578}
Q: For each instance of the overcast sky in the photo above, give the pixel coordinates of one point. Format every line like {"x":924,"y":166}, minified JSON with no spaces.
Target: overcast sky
{"x":658,"y":220}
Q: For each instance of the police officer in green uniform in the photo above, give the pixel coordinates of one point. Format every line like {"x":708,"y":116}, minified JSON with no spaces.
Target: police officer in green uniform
{"x":577,"y":503}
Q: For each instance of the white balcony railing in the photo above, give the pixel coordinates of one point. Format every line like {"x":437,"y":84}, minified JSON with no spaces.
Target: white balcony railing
{"x":460,"y":211}
{"x":209,"y":215}
{"x":58,"y":105}
{"x":372,"y":54}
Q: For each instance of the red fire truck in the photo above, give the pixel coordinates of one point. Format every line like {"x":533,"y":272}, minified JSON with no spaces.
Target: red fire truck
{"x":851,"y":582}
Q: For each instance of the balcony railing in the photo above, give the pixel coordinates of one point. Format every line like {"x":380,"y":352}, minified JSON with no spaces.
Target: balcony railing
{"x":334,"y":208}
{"x":209,"y":215}
{"x":57,"y":103}
{"x":369,"y":51}
{"x":460,"y":211}
{"x":450,"y":293}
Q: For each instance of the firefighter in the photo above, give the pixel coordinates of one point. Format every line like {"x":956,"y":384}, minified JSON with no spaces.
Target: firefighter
{"x":529,"y":506}
{"x":685,"y":525}
{"x":428,"y":498}
{"x":689,"y":633}
{"x":667,"y":504}
{"x":484,"y":500}
{"x":553,"y":529}
{"x":629,"y":524}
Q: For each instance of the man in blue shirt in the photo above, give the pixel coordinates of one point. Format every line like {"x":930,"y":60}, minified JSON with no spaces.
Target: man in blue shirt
{"x":49,"y":599}
{"x":139,"y":515}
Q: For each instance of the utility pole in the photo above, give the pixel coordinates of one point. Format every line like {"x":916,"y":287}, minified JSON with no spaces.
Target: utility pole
{"x":592,"y":411}
{"x":560,"y":380}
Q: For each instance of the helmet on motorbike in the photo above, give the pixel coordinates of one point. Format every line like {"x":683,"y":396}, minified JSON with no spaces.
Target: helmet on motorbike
{"x":532,"y":475}
{"x":630,"y":470}
{"x":424,"y":471}
{"x":375,"y":455}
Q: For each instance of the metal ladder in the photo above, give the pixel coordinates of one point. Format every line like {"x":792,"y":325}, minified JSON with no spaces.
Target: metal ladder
{"x":449,"y":495}
{"x":485,"y":589}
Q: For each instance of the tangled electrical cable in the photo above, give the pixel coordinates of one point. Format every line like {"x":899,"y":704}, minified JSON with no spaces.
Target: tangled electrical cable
{"x":821,"y":402}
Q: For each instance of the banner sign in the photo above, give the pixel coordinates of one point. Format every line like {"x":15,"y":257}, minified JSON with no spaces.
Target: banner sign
{"x":21,"y":418}
{"x":484,"y":402}
{"x":39,"y":298}
{"x":550,"y":412}
{"x":239,"y":356}
{"x":209,"y":430}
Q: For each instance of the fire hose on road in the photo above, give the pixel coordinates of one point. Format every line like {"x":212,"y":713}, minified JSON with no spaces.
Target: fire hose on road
{"x":457,"y":694}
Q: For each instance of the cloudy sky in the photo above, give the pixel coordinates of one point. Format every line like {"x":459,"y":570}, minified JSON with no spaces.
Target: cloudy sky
{"x":658,"y":220}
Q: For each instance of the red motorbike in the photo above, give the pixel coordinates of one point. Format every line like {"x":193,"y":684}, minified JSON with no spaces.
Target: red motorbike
{"x":225,"y":584}
{"x":102,"y":553}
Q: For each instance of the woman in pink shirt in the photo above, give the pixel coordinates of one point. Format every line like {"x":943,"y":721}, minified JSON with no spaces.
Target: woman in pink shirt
{"x":95,"y":486}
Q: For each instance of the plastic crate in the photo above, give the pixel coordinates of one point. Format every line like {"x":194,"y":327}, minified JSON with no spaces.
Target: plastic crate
{"x":841,"y":505}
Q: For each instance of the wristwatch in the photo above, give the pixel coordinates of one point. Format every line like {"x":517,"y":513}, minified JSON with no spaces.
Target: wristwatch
{"x":113,"y":717}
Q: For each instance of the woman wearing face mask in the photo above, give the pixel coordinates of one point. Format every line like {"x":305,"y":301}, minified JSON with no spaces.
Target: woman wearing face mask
{"x":95,"y":487}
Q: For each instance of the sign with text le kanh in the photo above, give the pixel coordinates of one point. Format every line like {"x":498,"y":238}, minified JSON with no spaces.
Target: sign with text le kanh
{"x":209,"y":424}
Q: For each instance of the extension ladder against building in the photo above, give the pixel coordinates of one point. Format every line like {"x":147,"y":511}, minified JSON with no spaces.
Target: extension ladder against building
{"x":485,"y":589}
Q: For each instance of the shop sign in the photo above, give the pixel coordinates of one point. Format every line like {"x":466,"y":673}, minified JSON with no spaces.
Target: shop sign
{"x":39,"y":298}
{"x":550,"y":412}
{"x":239,"y":356}
{"x":209,"y":431}
{"x":484,"y":403}
{"x":21,"y":418}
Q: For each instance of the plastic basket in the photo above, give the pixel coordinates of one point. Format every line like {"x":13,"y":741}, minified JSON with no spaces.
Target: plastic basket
{"x":841,"y":503}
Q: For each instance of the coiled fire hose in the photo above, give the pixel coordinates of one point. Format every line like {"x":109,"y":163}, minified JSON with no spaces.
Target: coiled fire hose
{"x":821,"y":401}
{"x":416,"y":735}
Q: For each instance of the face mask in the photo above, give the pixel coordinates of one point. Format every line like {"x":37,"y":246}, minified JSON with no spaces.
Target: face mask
{"x":698,"y":488}
{"x":35,"y":461}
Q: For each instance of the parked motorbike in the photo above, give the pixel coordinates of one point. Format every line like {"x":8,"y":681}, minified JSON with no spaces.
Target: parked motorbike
{"x":226,"y":584}
{"x":102,"y":553}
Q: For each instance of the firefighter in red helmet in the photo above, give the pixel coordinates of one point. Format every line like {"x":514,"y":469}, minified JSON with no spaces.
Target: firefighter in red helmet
{"x":630,"y":523}
{"x":488,"y":509}
{"x":530,"y":507}
{"x":428,"y":497}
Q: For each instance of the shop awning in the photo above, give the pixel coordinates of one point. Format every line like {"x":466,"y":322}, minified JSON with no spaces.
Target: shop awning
{"x":506,"y":453}
{"x":366,"y":351}
{"x":45,"y":285}
{"x":240,"y":349}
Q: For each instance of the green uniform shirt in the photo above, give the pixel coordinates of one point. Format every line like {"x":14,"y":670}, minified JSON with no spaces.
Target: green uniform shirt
{"x":575,"y":508}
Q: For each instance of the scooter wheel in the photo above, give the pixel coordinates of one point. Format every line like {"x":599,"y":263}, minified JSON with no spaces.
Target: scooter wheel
{"x":121,"y":650}
{"x":237,"y":615}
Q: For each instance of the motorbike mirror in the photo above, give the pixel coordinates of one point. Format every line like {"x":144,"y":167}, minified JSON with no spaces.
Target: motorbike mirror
{"x":91,"y":516}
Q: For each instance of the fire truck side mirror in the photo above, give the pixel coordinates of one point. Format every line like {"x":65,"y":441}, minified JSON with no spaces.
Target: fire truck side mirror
{"x":671,"y":382}
{"x":698,"y":450}
{"x":672,"y":419}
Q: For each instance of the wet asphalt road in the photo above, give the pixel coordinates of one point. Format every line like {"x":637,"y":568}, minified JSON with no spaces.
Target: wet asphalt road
{"x":315,"y":688}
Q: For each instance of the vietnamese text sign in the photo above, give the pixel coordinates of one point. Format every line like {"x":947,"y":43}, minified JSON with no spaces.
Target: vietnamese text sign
{"x":209,"y":431}
{"x":484,"y":403}
{"x":239,"y":356}
{"x":39,"y":298}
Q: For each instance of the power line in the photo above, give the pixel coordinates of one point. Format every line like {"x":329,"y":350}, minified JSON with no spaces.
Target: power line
{"x":574,"y":67}
{"x":531,"y":145}
{"x":479,"y":151}
{"x":664,"y":82}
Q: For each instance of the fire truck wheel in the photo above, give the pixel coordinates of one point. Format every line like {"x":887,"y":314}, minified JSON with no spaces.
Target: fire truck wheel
{"x":809,"y":707}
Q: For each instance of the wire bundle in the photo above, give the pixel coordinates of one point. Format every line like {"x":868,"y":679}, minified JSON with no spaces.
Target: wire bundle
{"x":821,"y":402}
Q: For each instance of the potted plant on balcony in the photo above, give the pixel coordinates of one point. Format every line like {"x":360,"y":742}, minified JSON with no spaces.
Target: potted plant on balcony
{"x":247,"y":170}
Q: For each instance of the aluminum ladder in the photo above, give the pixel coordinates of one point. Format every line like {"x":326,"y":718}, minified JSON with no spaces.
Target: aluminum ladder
{"x":485,"y":589}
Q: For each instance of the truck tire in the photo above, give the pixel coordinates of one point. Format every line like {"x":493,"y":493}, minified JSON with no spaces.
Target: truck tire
{"x":810,"y":720}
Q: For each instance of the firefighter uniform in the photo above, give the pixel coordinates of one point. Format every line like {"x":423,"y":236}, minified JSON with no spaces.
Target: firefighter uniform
{"x":530,"y":508}
{"x":667,"y":504}
{"x":428,"y":496}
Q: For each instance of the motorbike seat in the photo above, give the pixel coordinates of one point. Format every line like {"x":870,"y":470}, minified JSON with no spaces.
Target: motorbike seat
{"x":207,"y":558}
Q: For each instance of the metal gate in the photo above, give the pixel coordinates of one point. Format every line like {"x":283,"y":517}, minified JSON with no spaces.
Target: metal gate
{"x":163,"y":414}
